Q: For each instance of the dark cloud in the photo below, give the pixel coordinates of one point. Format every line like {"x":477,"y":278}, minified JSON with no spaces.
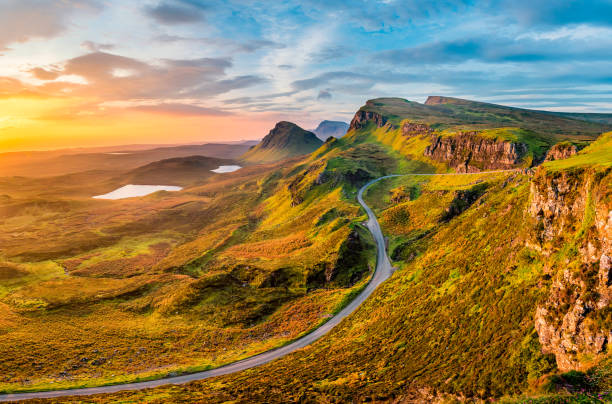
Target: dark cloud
{"x":178,"y":12}
{"x":178,"y":109}
{"x":324,"y":95}
{"x":286,"y":67}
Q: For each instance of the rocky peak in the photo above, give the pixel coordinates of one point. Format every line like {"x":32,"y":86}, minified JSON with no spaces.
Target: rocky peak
{"x":470,"y":152}
{"x":284,"y":133}
{"x":561,"y":151}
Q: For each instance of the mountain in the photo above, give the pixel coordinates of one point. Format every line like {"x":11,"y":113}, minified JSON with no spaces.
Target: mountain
{"x":175,"y":171}
{"x":285,"y":140}
{"x":331,"y":128}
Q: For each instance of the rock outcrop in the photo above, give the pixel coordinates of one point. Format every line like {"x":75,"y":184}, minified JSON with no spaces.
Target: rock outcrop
{"x":573,"y":211}
{"x":469,"y":152}
{"x":561,"y":151}
{"x":361,"y":119}
{"x":411,"y":129}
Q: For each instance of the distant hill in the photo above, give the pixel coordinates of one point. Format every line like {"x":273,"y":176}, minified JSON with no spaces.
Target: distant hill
{"x":454,"y":113}
{"x":285,"y":140}
{"x":175,"y":171}
{"x":46,"y":164}
{"x":331,"y":128}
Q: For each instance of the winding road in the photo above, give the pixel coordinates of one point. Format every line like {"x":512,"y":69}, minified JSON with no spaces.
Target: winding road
{"x":382,"y":272}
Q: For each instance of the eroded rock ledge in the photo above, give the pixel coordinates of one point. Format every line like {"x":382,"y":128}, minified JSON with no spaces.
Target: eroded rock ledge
{"x":469,"y":152}
{"x":573,"y":213}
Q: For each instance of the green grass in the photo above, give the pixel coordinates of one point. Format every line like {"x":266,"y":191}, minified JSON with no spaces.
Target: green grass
{"x":597,"y":154}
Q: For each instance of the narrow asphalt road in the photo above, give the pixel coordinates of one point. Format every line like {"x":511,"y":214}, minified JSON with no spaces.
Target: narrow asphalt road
{"x":382,"y":272}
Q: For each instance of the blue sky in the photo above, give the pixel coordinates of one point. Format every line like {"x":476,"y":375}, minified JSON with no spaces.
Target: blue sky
{"x":306,"y":60}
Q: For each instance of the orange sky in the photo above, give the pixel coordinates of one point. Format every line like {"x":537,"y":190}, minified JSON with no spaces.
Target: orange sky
{"x":39,"y":124}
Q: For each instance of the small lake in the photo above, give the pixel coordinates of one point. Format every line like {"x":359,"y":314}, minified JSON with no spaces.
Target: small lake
{"x":130,"y":191}
{"x":226,"y":169}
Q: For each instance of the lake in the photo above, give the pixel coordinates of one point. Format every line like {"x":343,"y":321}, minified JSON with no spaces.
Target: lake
{"x":130,"y":191}
{"x":226,"y":169}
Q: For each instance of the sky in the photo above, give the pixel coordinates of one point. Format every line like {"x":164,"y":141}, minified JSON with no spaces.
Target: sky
{"x":104,"y":72}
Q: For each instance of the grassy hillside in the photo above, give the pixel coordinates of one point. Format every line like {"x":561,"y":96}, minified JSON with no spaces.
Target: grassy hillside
{"x":285,"y":140}
{"x":452,"y":113}
{"x":170,"y":282}
{"x":175,"y":171}
{"x":250,"y":260}
{"x":456,"y":320}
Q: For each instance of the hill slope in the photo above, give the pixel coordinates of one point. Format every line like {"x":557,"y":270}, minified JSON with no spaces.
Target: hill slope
{"x":502,"y":279}
{"x":285,"y":140}
{"x":454,"y":113}
{"x":175,"y":171}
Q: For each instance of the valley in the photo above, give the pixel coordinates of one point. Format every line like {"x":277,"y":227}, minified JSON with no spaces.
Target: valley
{"x":497,"y":283}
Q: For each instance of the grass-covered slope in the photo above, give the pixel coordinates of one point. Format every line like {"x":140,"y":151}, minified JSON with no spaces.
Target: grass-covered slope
{"x":457,"y":114}
{"x":175,"y":171}
{"x":457,"y":318}
{"x":172,"y":282}
{"x":285,"y":140}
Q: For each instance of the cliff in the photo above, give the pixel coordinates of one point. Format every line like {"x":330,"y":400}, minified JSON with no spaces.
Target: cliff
{"x":469,"y":152}
{"x":361,"y":118}
{"x":561,"y":151}
{"x":573,"y":213}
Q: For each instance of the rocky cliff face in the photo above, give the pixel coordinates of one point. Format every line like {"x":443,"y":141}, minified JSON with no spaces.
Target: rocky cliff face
{"x":362,"y":117}
{"x":573,"y":213}
{"x":560,"y":151}
{"x":411,"y":129}
{"x":469,"y":152}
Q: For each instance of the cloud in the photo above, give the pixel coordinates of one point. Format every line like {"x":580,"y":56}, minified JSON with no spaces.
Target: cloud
{"x":493,"y":49}
{"x":330,"y":53}
{"x":223,"y":86}
{"x":23,"y":20}
{"x":95,"y":47}
{"x":230,"y":46}
{"x":177,"y":12}
{"x":348,"y":80}
{"x":178,"y":109}
{"x":110,"y":77}
{"x":556,"y":12}
{"x":44,"y":74}
{"x":324,"y":95}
